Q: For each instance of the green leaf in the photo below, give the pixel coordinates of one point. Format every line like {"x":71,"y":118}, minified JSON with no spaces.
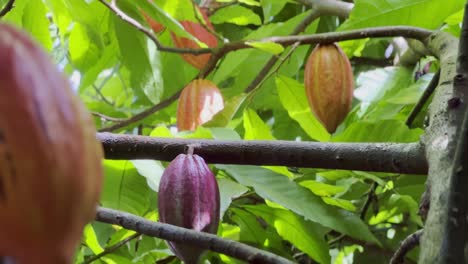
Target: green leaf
{"x":231,"y":107}
{"x":124,"y":189}
{"x":271,"y":8}
{"x":152,"y":170}
{"x":269,"y":47}
{"x":281,"y":190}
{"x":254,"y":126}
{"x":381,"y":131}
{"x":305,"y":235}
{"x":342,"y":203}
{"x":91,"y":240}
{"x":428,"y":14}
{"x":255,"y":231}
{"x":322,"y":189}
{"x":236,"y":14}
{"x":85,"y":47}
{"x":141,"y":60}
{"x":229,"y":190}
{"x":293,"y":98}
{"x":36,"y":22}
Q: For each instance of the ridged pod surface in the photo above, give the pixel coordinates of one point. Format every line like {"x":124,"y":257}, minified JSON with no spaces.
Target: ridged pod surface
{"x":189,"y":197}
{"x":329,"y":85}
{"x":203,"y":35}
{"x":50,"y":159}
{"x":199,"y":101}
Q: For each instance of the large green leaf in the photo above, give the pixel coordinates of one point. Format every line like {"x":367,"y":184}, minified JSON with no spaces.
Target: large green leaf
{"x":421,"y":13}
{"x":236,"y":14}
{"x":271,"y":8}
{"x":141,"y":60}
{"x":381,"y":131}
{"x":36,"y":22}
{"x":305,"y":235}
{"x":281,"y":190}
{"x":229,"y":190}
{"x":124,"y":189}
{"x":254,"y":126}
{"x":294,"y":100}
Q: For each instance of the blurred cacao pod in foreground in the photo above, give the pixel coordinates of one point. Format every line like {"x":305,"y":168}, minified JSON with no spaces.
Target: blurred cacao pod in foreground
{"x":189,"y":197}
{"x":198,"y":103}
{"x":329,"y":85}
{"x":203,"y":35}
{"x":50,"y":159}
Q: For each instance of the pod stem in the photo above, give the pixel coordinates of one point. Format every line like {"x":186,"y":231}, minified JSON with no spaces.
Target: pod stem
{"x":191,"y":148}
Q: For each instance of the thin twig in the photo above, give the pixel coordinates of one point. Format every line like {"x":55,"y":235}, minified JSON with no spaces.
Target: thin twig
{"x":407,"y":245}
{"x":188,"y":237}
{"x":424,"y":97}
{"x":267,"y":67}
{"x":99,"y":93}
{"x":111,"y":249}
{"x":7,"y":8}
{"x":108,"y":118}
{"x":370,"y":198}
{"x":143,"y":114}
{"x":129,"y":20}
{"x":263,"y":80}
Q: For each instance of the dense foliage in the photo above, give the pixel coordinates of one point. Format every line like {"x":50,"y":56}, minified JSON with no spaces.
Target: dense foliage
{"x":310,"y":215}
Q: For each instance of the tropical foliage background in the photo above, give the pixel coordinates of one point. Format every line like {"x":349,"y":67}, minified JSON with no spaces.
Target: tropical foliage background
{"x":307,"y":215}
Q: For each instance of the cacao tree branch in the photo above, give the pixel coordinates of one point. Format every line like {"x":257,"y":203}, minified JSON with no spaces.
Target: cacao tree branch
{"x":111,"y":249}
{"x":7,"y":8}
{"x":454,"y":240}
{"x":406,"y":245}
{"x":424,"y":98}
{"x":384,"y":157}
{"x":188,"y":237}
{"x":445,"y":116}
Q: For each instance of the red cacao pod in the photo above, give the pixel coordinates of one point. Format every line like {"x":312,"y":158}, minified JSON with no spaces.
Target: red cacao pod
{"x":50,"y":159}
{"x":198,"y":103}
{"x":203,"y":35}
{"x":189,"y":197}
{"x":329,"y":85}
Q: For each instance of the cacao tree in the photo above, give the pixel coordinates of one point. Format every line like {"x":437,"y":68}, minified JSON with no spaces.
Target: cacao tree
{"x":237,"y":131}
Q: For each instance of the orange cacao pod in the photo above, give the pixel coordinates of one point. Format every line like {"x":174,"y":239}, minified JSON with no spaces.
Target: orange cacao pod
{"x":50,"y":159}
{"x":329,"y":85}
{"x":188,"y":196}
{"x":199,"y":101}
{"x":203,"y":35}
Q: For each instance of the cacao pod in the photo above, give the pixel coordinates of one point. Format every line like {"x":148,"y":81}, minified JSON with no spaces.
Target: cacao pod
{"x":329,"y":85}
{"x":203,"y":35}
{"x":50,"y":159}
{"x":189,"y":197}
{"x":199,"y":101}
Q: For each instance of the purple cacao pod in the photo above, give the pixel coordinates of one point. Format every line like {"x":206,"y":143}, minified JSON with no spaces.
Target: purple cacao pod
{"x":189,"y":197}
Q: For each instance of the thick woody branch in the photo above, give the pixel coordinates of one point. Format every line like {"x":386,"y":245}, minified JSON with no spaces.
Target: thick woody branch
{"x":187,"y":237}
{"x":383,"y":157}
